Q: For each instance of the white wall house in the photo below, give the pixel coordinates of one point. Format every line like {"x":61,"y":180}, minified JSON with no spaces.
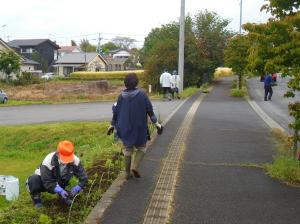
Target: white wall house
{"x":80,"y":61}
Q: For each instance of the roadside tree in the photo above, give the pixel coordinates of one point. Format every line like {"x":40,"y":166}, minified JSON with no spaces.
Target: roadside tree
{"x":9,"y":63}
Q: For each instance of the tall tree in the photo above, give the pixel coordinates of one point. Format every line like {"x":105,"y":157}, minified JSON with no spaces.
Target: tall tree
{"x":108,"y":47}
{"x":10,"y":62}
{"x":86,"y":46}
{"x":236,"y":55}
{"x":205,"y":40}
{"x":124,"y":42}
{"x":73,"y":43}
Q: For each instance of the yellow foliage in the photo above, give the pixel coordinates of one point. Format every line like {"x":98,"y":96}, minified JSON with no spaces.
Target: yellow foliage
{"x":223,"y":72}
{"x":105,"y":75}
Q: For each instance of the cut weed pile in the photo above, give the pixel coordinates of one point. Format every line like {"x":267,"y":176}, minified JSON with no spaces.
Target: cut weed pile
{"x":24,"y":148}
{"x":57,"y":91}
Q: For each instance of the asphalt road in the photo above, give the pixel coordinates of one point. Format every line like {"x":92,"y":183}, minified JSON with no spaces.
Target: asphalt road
{"x":277,"y":109}
{"x":216,"y":181}
{"x":100,"y":111}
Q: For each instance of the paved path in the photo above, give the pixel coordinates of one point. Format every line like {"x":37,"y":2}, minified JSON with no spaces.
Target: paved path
{"x":216,"y":181}
{"x":100,"y":111}
{"x":277,"y":109}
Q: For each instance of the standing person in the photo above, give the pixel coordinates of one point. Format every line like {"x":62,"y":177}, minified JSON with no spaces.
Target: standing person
{"x":165,"y":82}
{"x":268,"y":87}
{"x":175,"y":82}
{"x":54,"y":175}
{"x":130,"y":121}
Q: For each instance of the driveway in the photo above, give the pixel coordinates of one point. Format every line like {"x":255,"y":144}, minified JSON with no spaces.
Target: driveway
{"x":100,"y":111}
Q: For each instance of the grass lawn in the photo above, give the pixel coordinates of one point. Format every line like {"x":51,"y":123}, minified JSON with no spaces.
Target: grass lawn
{"x":24,"y":147}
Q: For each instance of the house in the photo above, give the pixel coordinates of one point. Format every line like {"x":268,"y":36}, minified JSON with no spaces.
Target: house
{"x":68,"y":49}
{"x":80,"y":61}
{"x":27,"y":65}
{"x":44,"y":51}
{"x":119,"y":53}
{"x":116,"y":64}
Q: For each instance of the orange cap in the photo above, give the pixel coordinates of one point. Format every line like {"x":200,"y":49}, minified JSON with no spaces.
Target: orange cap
{"x":65,"y":151}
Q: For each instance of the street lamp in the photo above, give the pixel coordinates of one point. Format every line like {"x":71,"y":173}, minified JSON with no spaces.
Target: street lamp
{"x":181,"y":45}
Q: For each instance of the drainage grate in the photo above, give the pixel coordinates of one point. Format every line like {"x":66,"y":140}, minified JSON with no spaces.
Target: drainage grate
{"x":159,"y":208}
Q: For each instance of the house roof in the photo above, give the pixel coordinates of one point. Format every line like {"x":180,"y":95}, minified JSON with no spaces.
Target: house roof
{"x":78,"y":58}
{"x":30,"y":42}
{"x":68,"y":49}
{"x":3,"y":43}
{"x":29,"y":62}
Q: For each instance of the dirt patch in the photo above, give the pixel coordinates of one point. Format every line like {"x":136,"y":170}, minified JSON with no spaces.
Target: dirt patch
{"x":60,"y":91}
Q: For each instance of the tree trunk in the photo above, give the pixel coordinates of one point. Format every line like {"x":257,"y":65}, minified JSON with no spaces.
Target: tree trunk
{"x":295,"y":140}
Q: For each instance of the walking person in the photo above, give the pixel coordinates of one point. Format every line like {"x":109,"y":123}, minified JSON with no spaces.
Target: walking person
{"x":175,"y":82}
{"x":165,"y":82}
{"x":54,"y":174}
{"x":130,"y":120}
{"x":268,"y":87}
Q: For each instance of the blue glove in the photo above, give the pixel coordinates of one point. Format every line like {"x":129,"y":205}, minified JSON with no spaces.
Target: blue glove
{"x":59,"y":190}
{"x":75,"y":190}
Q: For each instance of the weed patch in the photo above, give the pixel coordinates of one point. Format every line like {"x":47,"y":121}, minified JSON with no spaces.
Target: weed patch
{"x":284,"y":167}
{"x":24,"y":148}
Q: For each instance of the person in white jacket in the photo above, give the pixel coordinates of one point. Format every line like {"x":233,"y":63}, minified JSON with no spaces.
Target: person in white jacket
{"x":175,"y":82}
{"x":165,"y":82}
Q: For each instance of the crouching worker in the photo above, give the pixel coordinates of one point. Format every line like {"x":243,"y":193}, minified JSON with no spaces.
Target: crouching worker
{"x":54,"y":175}
{"x":130,"y":120}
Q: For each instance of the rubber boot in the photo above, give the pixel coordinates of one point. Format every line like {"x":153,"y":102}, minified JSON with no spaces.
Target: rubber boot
{"x":139,"y":155}
{"x":127,"y":167}
{"x":37,"y":201}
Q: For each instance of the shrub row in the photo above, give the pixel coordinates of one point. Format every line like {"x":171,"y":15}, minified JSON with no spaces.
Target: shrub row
{"x":105,"y":75}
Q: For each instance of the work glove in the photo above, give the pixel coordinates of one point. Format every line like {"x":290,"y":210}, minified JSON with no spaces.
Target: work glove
{"x":75,"y":190}
{"x":110,"y":129}
{"x":159,"y":128}
{"x":59,"y":190}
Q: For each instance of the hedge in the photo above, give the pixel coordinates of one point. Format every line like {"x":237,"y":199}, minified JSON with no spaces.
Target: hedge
{"x":105,"y":75}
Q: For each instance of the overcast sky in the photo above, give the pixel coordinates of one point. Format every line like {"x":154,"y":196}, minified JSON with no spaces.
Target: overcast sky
{"x":63,"y":20}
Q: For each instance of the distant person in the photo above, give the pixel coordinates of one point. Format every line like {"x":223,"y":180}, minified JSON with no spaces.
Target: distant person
{"x":274,"y":77}
{"x":268,"y":87}
{"x":54,"y":174}
{"x":175,"y":83}
{"x":165,"y":82}
{"x":130,"y":120}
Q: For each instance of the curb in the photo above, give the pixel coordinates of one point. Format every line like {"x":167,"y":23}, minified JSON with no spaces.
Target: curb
{"x":268,"y":120}
{"x":106,"y":200}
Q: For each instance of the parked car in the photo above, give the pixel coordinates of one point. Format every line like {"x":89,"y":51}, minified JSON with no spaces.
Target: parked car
{"x":3,"y":97}
{"x":47,"y":76}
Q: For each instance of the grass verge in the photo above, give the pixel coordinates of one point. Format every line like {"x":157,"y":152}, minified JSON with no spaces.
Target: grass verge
{"x":284,"y":167}
{"x":24,"y":147}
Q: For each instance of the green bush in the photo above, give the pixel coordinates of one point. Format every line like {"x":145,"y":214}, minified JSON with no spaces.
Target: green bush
{"x":286,"y":169}
{"x":238,"y":92}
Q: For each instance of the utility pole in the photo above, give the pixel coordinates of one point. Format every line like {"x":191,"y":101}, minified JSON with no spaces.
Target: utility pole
{"x":99,"y":44}
{"x":240,"y":32}
{"x":181,"y":45}
{"x":3,"y":27}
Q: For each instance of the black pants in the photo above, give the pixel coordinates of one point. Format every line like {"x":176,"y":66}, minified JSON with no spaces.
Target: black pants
{"x":166,"y":91}
{"x":268,"y":92}
{"x":35,"y":185}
